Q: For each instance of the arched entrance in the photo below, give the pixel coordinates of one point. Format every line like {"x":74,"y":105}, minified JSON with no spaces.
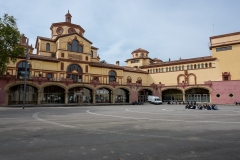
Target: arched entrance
{"x":103,"y":95}
{"x":143,"y":95}
{"x":15,"y":95}
{"x":53,"y":95}
{"x":121,"y":95}
{"x":172,"y":95}
{"x":80,"y":95}
{"x":197,"y":94}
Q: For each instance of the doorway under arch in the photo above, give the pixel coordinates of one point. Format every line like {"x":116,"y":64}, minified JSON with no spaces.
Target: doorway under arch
{"x":15,"y":95}
{"x":197,"y":94}
{"x":103,"y":95}
{"x":53,"y":95}
{"x":121,"y":95}
{"x":143,"y":95}
{"x":80,"y":95}
{"x":172,"y":95}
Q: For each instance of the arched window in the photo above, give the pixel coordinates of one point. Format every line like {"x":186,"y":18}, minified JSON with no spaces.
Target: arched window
{"x":48,"y":47}
{"x":129,"y":79}
{"x":202,"y":65}
{"x":139,"y":80}
{"x":198,"y":65}
{"x":166,"y":69}
{"x":179,"y":68}
{"x":142,"y":54}
{"x":75,"y":46}
{"x":74,"y":72}
{"x":21,"y":70}
{"x":162,"y":69}
{"x":195,"y":66}
{"x":191,"y":66}
{"x":187,"y":66}
{"x":182,"y":67}
{"x":210,"y":65}
{"x":206,"y":65}
{"x":150,"y":70}
{"x":172,"y":68}
{"x":112,"y":76}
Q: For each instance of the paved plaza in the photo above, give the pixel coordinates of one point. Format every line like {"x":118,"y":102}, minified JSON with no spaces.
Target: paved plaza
{"x":125,"y":132}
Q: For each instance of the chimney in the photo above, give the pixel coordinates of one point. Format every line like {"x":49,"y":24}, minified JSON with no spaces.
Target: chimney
{"x":23,"y":40}
{"x":117,"y":63}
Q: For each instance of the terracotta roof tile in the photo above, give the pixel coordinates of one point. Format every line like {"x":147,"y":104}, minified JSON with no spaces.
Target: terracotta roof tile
{"x":45,"y":58}
{"x":140,"y":50}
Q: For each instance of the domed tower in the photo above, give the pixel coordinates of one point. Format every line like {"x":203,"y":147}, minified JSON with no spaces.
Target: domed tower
{"x":68,"y":17}
{"x":67,"y":27}
{"x":139,"y":58}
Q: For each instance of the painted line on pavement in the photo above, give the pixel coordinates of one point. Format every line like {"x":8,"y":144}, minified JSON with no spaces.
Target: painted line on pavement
{"x":35,"y":115}
{"x":160,"y":113}
{"x":167,"y":120}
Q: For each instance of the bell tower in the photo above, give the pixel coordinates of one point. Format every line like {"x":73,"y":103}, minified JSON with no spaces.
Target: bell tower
{"x":68,"y":17}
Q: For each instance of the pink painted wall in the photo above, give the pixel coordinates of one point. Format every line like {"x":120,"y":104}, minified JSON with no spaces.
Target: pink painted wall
{"x":134,"y":95}
{"x":224,"y":88}
{"x":2,"y":91}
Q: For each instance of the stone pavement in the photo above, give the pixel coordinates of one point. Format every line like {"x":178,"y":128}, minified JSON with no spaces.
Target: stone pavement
{"x":119,"y":133}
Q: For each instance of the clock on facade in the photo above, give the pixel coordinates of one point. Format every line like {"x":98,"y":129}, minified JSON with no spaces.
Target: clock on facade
{"x":59,"y":30}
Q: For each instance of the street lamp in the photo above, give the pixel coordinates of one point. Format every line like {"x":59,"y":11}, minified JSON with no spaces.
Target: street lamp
{"x":25,"y":75}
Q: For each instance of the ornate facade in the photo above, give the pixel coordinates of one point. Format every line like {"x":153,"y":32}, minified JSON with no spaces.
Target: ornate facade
{"x":66,"y":69}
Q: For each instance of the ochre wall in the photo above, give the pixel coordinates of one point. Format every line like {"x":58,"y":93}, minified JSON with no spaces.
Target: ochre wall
{"x":228,"y":61}
{"x":202,"y":75}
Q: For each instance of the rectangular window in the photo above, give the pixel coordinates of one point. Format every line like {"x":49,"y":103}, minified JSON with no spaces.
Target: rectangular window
{"x":49,"y":75}
{"x":86,"y":58}
{"x":80,"y":49}
{"x":62,"y":55}
{"x":86,"y":69}
{"x":225,"y":78}
{"x":224,"y":48}
{"x":69,"y":47}
{"x":62,"y":66}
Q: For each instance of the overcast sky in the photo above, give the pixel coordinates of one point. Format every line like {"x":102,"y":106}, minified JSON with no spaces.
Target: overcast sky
{"x":166,"y":28}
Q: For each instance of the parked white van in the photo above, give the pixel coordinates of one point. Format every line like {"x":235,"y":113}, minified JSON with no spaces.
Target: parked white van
{"x":154,"y":100}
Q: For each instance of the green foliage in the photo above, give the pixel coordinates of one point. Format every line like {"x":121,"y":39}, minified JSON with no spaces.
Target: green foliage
{"x":103,"y":61}
{"x":9,"y":42}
